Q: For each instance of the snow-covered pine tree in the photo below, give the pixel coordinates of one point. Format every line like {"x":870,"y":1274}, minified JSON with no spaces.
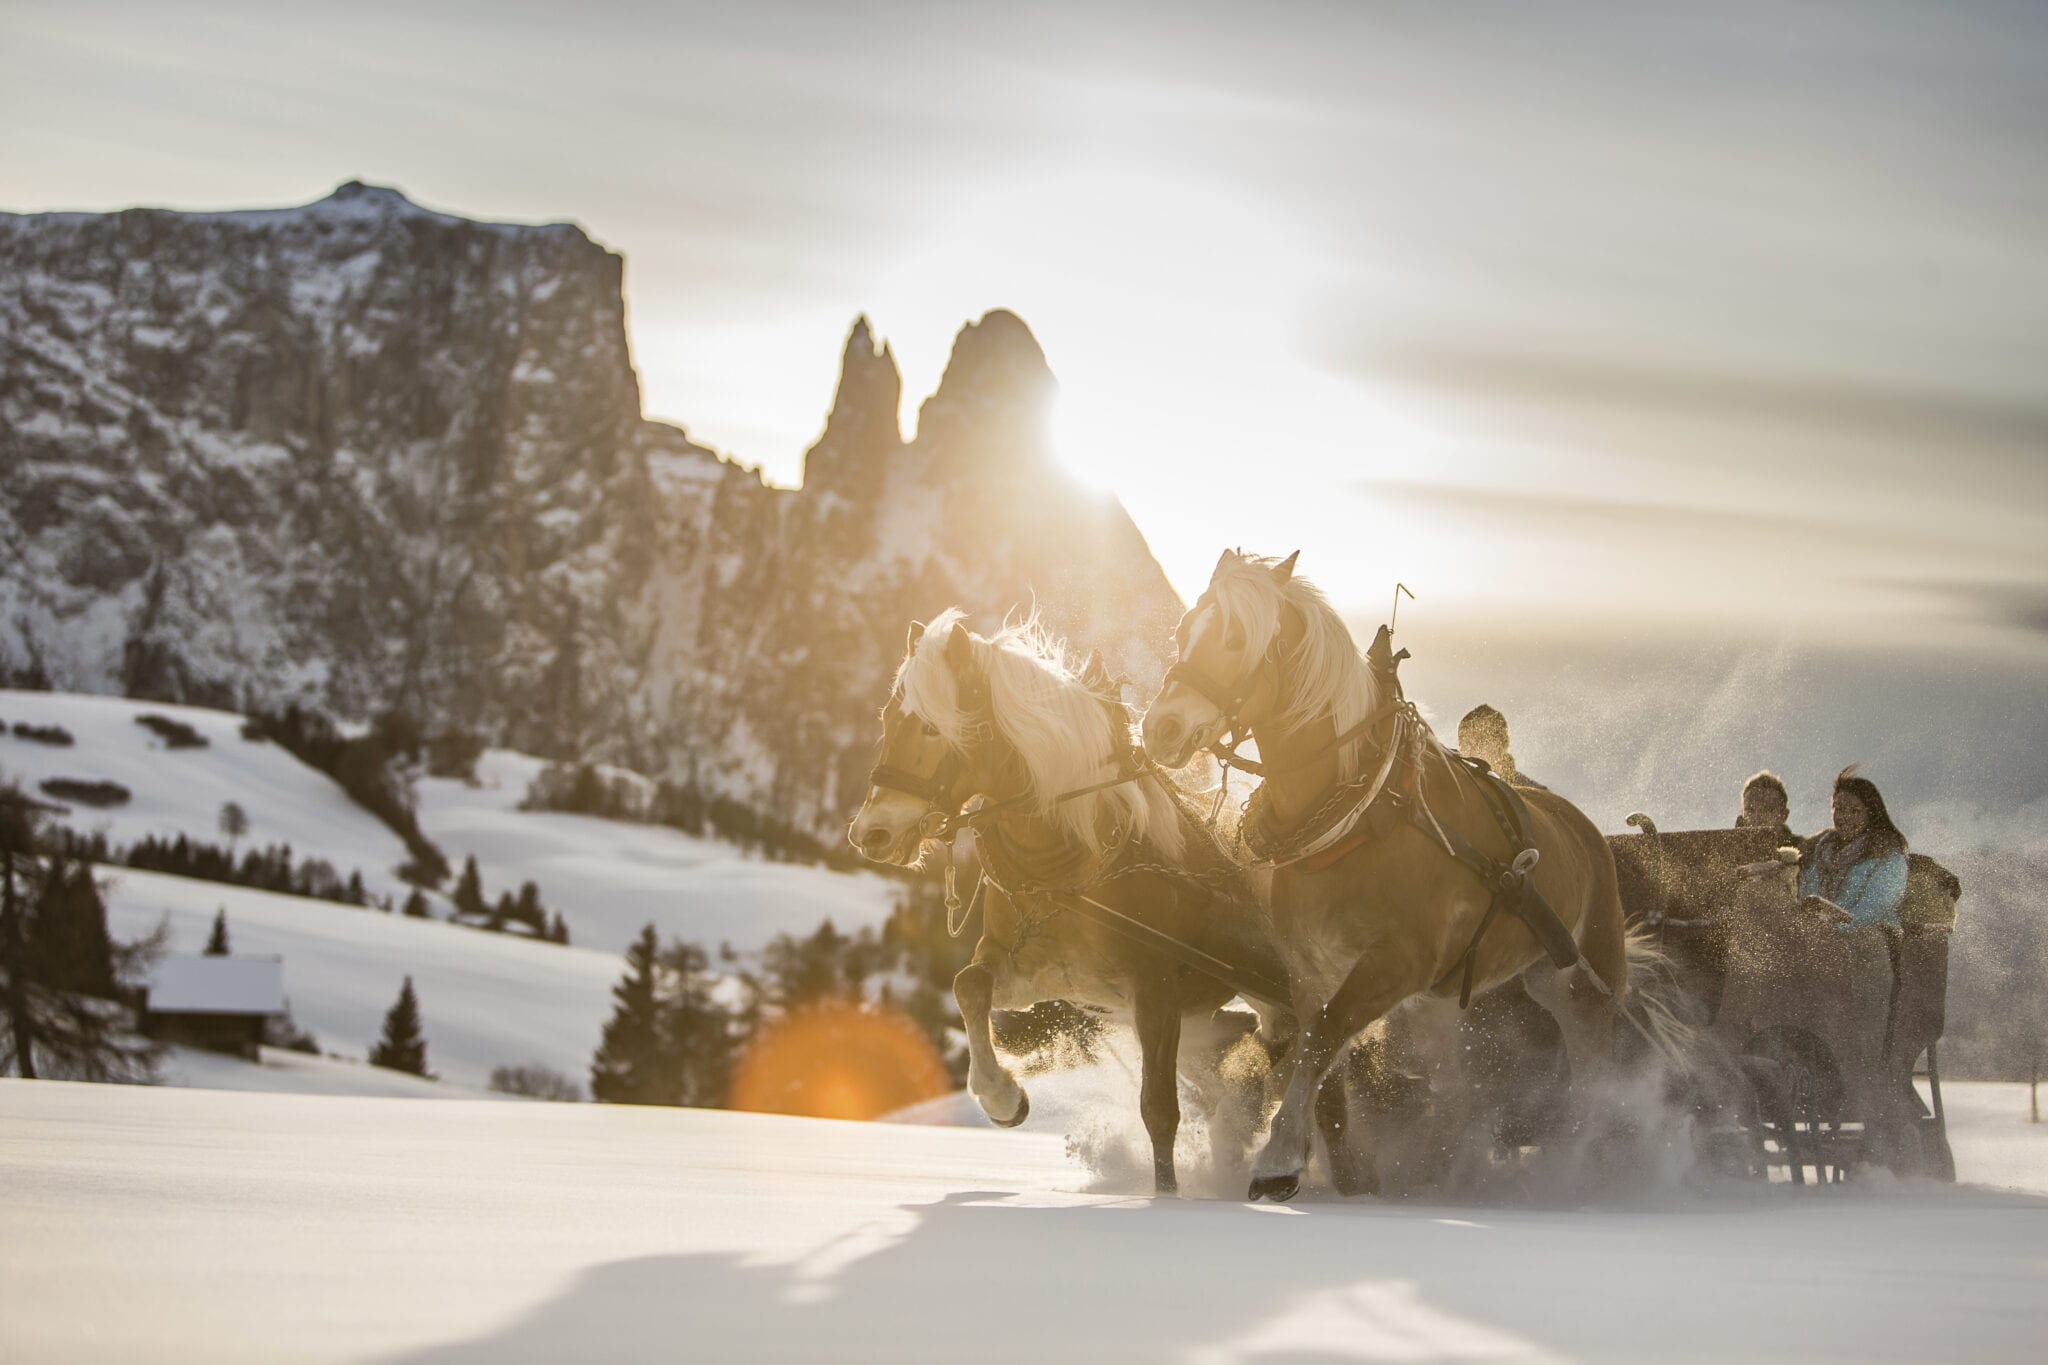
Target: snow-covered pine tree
{"x":403,"y":1047}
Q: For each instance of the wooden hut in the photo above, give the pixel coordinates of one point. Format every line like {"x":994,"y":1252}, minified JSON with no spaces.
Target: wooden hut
{"x":217,"y":1003}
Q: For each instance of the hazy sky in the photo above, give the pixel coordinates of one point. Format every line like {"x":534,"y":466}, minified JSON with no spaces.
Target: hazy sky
{"x":1693,"y":316}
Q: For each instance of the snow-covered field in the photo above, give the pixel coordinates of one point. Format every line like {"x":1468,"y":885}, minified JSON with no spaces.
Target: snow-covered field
{"x":486,"y":1000}
{"x":203,"y":1226}
{"x":609,"y":878}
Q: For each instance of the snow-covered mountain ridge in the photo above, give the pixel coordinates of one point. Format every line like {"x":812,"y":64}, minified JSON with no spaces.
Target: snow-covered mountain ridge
{"x":362,"y":455}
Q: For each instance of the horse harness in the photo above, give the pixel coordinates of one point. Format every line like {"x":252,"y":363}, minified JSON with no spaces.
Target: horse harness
{"x":1363,"y":812}
{"x":1064,"y":878}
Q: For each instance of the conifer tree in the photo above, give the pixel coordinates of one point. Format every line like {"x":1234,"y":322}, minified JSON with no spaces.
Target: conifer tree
{"x":698,"y":1031}
{"x":628,"y":1067}
{"x":22,"y":880}
{"x":416,"y":905}
{"x":469,"y":890}
{"x":528,"y":909}
{"x":403,"y":1047}
{"x":558,"y":930}
{"x":61,"y":973}
{"x":217,"y":944}
{"x":70,"y":937}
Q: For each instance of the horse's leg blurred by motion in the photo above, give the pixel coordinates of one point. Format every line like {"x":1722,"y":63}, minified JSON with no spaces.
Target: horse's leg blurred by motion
{"x":1366,"y":994}
{"x":988,"y":1080}
{"x":1158,"y":1022}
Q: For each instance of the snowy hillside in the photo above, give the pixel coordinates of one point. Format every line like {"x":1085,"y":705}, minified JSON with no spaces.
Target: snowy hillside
{"x":235,"y":1228}
{"x":181,"y":791}
{"x":609,"y":878}
{"x":486,"y":1000}
{"x":606,"y":878}
{"x":284,"y":1072}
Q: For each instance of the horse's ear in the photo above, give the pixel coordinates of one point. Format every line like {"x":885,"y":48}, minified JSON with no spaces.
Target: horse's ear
{"x":959,"y":649}
{"x":916,"y":634}
{"x":1221,"y":561}
{"x":1095,"y":672}
{"x":1284,"y":570}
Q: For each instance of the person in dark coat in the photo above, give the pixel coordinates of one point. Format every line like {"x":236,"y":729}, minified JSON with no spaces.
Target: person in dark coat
{"x":1766,"y":805}
{"x":1483,"y":733}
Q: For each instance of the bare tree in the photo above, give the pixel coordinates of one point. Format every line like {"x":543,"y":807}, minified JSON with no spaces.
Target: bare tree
{"x":536,"y":1081}
{"x":234,"y":823}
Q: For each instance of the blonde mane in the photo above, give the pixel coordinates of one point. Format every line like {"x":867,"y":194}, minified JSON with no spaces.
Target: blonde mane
{"x":1061,"y":732}
{"x":1324,"y":676}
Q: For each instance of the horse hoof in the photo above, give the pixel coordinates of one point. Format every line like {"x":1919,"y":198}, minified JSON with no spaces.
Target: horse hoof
{"x":1277,"y":1189}
{"x":1023,"y":1113}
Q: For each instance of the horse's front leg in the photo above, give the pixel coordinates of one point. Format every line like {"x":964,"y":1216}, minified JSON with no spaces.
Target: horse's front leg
{"x":988,"y":1080}
{"x":1367,"y":993}
{"x":1158,"y":1020}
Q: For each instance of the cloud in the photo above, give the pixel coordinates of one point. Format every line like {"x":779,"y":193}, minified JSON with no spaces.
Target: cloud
{"x":1623,"y":521}
{"x":1895,"y":414}
{"x":2012,"y":605}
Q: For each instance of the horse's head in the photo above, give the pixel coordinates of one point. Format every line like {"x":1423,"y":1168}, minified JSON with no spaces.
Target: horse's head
{"x":935,"y":731}
{"x":1226,"y":668}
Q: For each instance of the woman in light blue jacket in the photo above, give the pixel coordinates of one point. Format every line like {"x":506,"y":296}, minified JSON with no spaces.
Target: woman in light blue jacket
{"x":1858,"y":866}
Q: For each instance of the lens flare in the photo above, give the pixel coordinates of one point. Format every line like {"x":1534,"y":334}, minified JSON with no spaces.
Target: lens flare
{"x":838,"y":1060}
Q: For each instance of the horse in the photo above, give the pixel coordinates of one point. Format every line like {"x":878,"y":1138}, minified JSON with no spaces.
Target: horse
{"x":1070,"y":811}
{"x":1392,"y":858}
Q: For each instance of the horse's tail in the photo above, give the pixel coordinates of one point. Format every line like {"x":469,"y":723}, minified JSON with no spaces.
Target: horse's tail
{"x":1650,"y":1002}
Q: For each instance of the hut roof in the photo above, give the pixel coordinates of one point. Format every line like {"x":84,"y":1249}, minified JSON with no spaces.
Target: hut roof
{"x":218,"y":985}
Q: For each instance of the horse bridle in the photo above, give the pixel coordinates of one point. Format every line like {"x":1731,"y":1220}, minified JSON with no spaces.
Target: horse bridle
{"x":1230,"y":701}
{"x":948,"y":812}
{"x":940,"y":789}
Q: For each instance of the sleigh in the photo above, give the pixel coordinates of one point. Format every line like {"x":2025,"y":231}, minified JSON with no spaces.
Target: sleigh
{"x":1829,"y":1031}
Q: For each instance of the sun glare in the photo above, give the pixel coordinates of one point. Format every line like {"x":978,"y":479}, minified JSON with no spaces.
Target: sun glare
{"x":1172,"y":314}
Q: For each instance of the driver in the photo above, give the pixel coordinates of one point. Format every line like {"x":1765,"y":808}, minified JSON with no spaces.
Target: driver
{"x":1483,"y":733}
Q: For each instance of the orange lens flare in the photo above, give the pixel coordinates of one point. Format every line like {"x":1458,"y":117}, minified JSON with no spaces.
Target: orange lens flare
{"x":837,"y":1060}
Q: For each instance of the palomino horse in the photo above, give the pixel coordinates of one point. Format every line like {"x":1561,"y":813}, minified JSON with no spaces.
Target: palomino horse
{"x":1072,"y":808}
{"x":1379,"y":839}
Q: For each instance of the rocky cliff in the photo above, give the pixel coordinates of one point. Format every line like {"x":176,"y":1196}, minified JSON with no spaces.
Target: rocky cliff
{"x":366,"y":456}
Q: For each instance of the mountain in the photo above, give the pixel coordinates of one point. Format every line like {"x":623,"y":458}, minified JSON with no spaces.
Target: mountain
{"x":366,"y":456}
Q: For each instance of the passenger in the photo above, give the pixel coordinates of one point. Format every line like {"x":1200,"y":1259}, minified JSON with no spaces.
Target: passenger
{"x":1859,"y":866}
{"x":1765,"y":805}
{"x":1483,"y":733}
